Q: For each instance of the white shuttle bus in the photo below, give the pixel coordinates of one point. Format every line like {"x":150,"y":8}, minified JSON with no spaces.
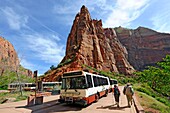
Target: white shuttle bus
{"x":83,"y":88}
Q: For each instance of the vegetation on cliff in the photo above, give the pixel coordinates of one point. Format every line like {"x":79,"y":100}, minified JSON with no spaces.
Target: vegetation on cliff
{"x":154,"y":82}
{"x":157,"y":78}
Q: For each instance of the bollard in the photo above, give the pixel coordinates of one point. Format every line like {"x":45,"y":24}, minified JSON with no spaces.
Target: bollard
{"x":34,"y":101}
{"x":39,"y":100}
{"x":30,"y":101}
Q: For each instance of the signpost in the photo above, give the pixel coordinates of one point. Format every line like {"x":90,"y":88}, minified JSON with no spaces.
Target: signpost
{"x":35,"y":76}
{"x":37,"y":99}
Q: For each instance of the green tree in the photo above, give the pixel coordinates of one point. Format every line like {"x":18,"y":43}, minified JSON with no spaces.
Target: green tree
{"x":158,"y":78}
{"x":52,"y":67}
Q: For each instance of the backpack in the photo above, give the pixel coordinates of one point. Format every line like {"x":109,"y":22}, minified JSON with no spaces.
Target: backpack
{"x":116,"y":91}
{"x":129,"y":91}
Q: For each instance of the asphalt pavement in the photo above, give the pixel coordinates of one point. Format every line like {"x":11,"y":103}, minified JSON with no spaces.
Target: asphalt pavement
{"x":51,"y":105}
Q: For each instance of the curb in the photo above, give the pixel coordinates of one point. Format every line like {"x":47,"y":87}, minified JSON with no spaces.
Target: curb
{"x":138,"y":107}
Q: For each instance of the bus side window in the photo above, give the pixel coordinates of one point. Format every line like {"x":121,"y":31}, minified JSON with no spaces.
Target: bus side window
{"x":89,"y":81}
{"x":96,"y":83}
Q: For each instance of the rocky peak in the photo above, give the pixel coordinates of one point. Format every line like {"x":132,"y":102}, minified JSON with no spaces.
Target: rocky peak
{"x":91,"y":45}
{"x":84,"y":14}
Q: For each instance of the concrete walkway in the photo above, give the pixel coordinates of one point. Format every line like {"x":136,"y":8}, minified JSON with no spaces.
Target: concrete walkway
{"x":20,"y":107}
{"x":105,"y":104}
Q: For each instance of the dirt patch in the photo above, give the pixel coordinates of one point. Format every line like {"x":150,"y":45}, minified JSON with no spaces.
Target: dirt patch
{"x":151,"y":110}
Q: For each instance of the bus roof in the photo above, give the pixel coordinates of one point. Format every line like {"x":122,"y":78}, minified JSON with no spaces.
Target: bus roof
{"x":77,"y":72}
{"x":80,"y":72}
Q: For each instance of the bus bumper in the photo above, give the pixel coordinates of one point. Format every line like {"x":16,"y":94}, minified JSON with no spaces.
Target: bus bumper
{"x":79,"y":102}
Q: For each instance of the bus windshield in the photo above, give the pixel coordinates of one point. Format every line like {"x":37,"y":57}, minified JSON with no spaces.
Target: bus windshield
{"x":74,"y":83}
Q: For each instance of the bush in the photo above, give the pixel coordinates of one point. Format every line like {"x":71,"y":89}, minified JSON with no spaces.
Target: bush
{"x":18,"y":98}
{"x":163,"y":101}
{"x":144,"y":91}
{"x":52,"y":67}
{"x":64,"y":63}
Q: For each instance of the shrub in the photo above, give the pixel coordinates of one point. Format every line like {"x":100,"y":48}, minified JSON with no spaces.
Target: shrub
{"x":64,"y":63}
{"x":144,"y":91}
{"x":52,"y":67}
{"x":163,"y":100}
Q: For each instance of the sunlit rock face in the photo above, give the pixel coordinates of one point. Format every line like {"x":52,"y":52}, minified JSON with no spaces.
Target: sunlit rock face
{"x":9,"y":59}
{"x":8,"y":55}
{"x":91,"y":45}
{"x":145,"y":46}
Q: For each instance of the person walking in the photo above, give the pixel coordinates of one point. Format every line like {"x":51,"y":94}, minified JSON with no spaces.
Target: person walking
{"x":116,"y":93}
{"x":128,"y":91}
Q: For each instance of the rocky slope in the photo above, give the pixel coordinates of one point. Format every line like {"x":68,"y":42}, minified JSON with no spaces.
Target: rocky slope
{"x":145,"y":46}
{"x":9,"y":59}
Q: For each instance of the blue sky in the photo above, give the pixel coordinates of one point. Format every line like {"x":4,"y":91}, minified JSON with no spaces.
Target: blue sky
{"x":38,"y":29}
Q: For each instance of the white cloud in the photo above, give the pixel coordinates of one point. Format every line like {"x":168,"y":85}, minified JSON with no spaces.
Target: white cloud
{"x":113,"y":13}
{"x":15,"y":20}
{"x":160,"y":20}
{"x":67,"y":11}
{"x":27,"y":64}
{"x":124,"y":12}
{"x":45,"y":47}
{"x":70,"y":8}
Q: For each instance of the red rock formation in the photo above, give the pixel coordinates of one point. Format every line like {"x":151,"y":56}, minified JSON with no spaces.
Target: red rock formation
{"x":8,"y":58}
{"x":89,"y":44}
{"x":145,"y":46}
{"x":104,"y":49}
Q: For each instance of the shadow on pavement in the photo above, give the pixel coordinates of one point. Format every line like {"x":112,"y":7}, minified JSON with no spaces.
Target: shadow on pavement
{"x":47,"y":107}
{"x":113,"y":107}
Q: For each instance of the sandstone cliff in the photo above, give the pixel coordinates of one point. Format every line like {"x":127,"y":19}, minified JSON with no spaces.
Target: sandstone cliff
{"x":109,"y":49}
{"x":9,"y":59}
{"x":91,"y":45}
{"x":145,"y":46}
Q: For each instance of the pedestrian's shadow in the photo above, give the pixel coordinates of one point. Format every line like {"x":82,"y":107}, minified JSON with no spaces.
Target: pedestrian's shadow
{"x":113,"y":107}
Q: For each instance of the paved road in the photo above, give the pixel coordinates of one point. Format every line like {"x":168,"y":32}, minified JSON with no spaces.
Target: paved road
{"x":104,"y":105}
{"x":51,"y":105}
